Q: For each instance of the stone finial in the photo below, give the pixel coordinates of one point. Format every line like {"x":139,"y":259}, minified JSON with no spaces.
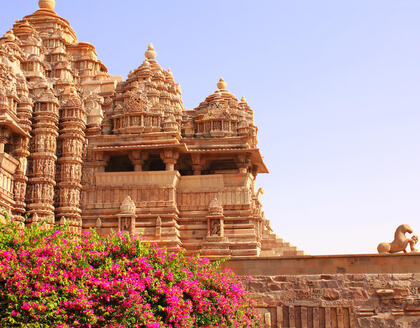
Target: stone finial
{"x":215,"y":207}
{"x":400,"y":242}
{"x":221,"y":85}
{"x":128,"y":206}
{"x":243,"y":100}
{"x":150,"y":53}
{"x":46,"y":4}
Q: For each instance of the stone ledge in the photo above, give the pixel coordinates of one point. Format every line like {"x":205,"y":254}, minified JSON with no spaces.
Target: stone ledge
{"x":325,"y":264}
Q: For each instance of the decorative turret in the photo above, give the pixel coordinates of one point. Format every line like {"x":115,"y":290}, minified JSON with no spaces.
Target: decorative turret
{"x":9,"y":36}
{"x":215,"y":207}
{"x":149,"y":101}
{"x":127,"y":216}
{"x":128,"y":206}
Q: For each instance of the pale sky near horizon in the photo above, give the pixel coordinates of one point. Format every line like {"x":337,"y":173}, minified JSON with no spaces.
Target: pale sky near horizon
{"x":334,"y":86}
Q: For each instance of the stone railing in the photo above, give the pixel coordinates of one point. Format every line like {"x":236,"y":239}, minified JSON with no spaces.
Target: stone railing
{"x":158,"y":178}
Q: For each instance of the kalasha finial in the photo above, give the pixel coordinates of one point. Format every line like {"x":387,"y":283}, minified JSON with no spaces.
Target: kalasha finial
{"x":47,"y":4}
{"x":243,"y":100}
{"x":150,"y":53}
{"x":222,"y":84}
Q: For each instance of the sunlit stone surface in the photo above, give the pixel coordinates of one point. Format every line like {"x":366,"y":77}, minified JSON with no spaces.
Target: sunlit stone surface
{"x":81,"y":144}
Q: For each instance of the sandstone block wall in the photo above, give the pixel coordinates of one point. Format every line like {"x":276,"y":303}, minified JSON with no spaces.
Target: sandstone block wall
{"x":332,"y":299}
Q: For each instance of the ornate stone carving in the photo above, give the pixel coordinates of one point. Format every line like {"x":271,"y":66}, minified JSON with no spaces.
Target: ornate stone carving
{"x":215,"y":227}
{"x":215,"y":207}
{"x":67,"y":118}
{"x":400,"y":242}
{"x":128,"y":206}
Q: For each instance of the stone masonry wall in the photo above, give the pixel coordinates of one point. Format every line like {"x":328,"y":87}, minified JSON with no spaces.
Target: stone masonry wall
{"x":336,"y":300}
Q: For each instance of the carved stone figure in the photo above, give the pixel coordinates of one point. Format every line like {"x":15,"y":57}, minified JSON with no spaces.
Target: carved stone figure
{"x":414,"y":240}
{"x":400,"y":242}
{"x":215,"y":229}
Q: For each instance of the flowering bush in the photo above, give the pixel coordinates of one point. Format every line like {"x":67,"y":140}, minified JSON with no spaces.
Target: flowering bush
{"x":47,"y":279}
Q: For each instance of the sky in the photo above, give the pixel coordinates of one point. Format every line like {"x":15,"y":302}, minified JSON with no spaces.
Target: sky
{"x":334,"y":86}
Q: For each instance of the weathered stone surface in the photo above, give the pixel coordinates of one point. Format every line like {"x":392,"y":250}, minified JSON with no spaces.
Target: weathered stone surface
{"x":81,"y":144}
{"x":310,"y":299}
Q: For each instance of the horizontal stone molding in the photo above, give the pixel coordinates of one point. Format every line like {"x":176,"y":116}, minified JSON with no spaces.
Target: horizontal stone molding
{"x":328,"y":264}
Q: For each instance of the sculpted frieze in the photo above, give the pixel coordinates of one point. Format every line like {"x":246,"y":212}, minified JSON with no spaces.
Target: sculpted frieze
{"x":136,"y":101}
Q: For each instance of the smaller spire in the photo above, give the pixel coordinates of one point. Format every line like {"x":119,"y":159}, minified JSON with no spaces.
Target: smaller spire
{"x":10,"y":36}
{"x":222,"y":84}
{"x":150,"y":53}
{"x":46,"y":4}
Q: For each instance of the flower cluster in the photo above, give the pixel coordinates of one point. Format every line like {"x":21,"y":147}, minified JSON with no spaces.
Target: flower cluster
{"x":49,"y":278}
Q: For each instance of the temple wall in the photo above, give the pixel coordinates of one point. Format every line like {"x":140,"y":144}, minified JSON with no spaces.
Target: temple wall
{"x":8,"y":166}
{"x":348,"y":291}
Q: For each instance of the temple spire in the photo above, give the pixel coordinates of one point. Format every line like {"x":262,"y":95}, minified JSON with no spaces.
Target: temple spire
{"x":46,"y":4}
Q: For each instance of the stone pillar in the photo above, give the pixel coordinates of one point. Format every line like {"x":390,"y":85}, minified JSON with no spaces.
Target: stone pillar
{"x":170,"y":157}
{"x":158,"y":233}
{"x":98,"y":226}
{"x":138,"y":158}
{"x":72,"y":137}
{"x":4,"y":138}
{"x":243,"y":163}
{"x":20,"y":179}
{"x":24,"y":114}
{"x":196,"y":163}
{"x":43,"y":157}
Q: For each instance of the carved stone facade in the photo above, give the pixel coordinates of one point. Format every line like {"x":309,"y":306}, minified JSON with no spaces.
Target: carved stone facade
{"x":97,"y":151}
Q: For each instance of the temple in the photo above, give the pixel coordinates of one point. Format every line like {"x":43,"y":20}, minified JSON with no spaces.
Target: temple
{"x":80,"y":145}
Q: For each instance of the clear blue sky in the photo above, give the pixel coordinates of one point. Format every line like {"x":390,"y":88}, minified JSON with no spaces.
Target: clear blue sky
{"x":334,"y":86}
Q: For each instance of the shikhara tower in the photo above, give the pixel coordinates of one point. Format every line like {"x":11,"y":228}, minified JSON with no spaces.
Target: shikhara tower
{"x":80,"y":144}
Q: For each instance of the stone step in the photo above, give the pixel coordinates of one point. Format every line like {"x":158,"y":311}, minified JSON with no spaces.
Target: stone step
{"x":245,"y":252}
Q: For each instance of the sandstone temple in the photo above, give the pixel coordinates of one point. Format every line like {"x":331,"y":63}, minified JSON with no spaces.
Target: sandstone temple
{"x":79,"y":144}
